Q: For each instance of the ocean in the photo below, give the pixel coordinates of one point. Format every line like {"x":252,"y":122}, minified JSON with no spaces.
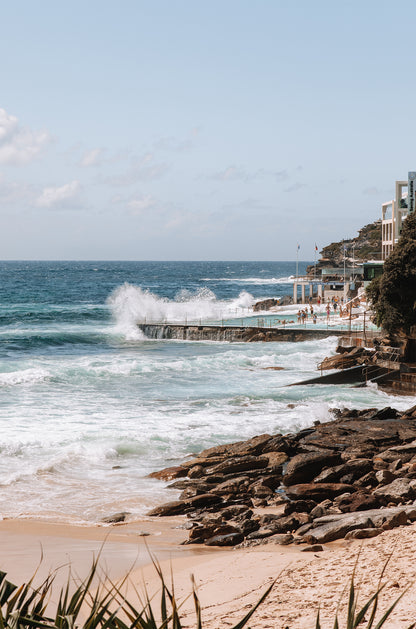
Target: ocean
{"x":89,"y":406}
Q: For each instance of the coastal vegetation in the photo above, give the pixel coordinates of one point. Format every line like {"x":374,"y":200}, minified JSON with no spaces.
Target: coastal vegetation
{"x":83,"y":605}
{"x":367,"y":244}
{"x":393,"y":294}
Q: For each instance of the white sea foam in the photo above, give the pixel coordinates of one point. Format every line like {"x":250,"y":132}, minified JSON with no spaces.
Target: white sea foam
{"x":24,"y":376}
{"x":130,"y":304}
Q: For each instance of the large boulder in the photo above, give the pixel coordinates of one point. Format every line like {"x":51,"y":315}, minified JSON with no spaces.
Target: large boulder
{"x":304,"y":467}
{"x":332,"y":527}
{"x":238,"y":464}
{"x":176,"y":507}
{"x":265,"y":304}
{"x":400,"y":490}
{"x":169,"y":473}
{"x":353,"y":469}
{"x":317,"y":491}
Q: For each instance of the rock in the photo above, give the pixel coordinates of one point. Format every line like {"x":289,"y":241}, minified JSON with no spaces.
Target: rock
{"x":354,"y":469}
{"x":358,"y":502}
{"x":238,"y":464}
{"x":332,"y":527}
{"x":287,"y":524}
{"x":384,"y":477}
{"x":199,"y":534}
{"x":282,"y":538}
{"x":236,"y":511}
{"x":169,"y":473}
{"x":230,"y":539}
{"x":261,"y":534}
{"x":403,"y":452}
{"x":286,"y":300}
{"x":398,"y":519}
{"x":318,"y":512}
{"x":200,"y":485}
{"x":265,"y":304}
{"x":204,"y":461}
{"x":336,"y":529}
{"x":399,"y":490}
{"x":248,"y":526}
{"x":253,"y":446}
{"x":175,"y":507}
{"x":340,"y":361}
{"x":299,"y":506}
{"x":318,"y":491}
{"x":314,"y":548}
{"x":232,"y":486}
{"x":203,"y":500}
{"x":190,"y":492}
{"x":396,"y":465}
{"x":363,"y":533}
{"x":276,"y":459}
{"x":197,"y":471}
{"x":385,"y":413}
{"x":271,"y":482}
{"x":178,"y":507}
{"x":304,"y":529}
{"x":304,"y":467}
{"x":259,"y":490}
{"x":410,"y":413}
{"x":116,"y":517}
{"x":368,"y":480}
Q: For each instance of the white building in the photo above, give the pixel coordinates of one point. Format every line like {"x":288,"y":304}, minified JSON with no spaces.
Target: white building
{"x":394,"y":212}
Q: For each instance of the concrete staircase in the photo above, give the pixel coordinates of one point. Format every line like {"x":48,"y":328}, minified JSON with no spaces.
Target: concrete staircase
{"x":407,"y":381}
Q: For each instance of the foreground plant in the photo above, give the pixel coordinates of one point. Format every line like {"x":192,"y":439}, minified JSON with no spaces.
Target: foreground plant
{"x":85,"y":606}
{"x":357,"y":617}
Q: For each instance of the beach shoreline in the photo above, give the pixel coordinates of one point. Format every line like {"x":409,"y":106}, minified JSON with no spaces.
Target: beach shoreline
{"x":228,"y":581}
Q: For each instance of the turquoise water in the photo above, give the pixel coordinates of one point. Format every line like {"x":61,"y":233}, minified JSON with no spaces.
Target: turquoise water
{"x":89,"y":406}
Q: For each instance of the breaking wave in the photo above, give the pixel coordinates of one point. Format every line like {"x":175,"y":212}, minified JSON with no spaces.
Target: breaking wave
{"x":131,"y":304}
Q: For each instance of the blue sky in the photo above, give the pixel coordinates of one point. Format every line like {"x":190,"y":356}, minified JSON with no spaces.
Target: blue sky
{"x":185,"y":130}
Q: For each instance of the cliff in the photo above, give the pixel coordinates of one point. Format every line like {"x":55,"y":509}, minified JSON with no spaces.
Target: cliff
{"x":365,"y":246}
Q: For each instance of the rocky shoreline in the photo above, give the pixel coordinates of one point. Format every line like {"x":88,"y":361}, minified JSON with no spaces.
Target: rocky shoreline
{"x":353,"y":477}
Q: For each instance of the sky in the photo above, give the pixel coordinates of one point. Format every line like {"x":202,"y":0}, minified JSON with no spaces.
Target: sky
{"x":196,"y":130}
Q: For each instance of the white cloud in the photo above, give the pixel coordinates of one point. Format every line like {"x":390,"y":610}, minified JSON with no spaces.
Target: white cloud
{"x":142,"y":204}
{"x":91,"y":158}
{"x":65,"y":196}
{"x":231,"y":174}
{"x":234,"y":173}
{"x":295,"y":187}
{"x":143,"y":169}
{"x":19,"y":145}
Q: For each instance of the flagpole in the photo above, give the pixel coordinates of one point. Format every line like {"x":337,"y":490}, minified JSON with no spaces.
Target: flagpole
{"x":297,"y":261}
{"x":345,"y":297}
{"x":314,"y":271}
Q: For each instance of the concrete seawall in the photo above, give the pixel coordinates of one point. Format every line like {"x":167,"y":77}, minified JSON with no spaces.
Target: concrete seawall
{"x":233,"y":333}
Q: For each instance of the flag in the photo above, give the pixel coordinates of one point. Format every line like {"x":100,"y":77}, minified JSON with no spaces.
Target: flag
{"x":298,"y":246}
{"x":316,"y":247}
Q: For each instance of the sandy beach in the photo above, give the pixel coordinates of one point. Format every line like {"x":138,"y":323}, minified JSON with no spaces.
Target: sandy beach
{"x":228,"y":581}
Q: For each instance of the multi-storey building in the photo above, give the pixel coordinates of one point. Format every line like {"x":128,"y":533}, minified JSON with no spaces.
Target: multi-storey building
{"x":394,"y":212}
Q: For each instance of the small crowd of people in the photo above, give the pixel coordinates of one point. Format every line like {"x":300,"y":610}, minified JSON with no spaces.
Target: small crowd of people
{"x":304,"y":314}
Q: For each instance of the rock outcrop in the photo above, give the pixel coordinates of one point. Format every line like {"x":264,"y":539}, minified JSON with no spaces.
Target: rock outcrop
{"x":351,"y":477}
